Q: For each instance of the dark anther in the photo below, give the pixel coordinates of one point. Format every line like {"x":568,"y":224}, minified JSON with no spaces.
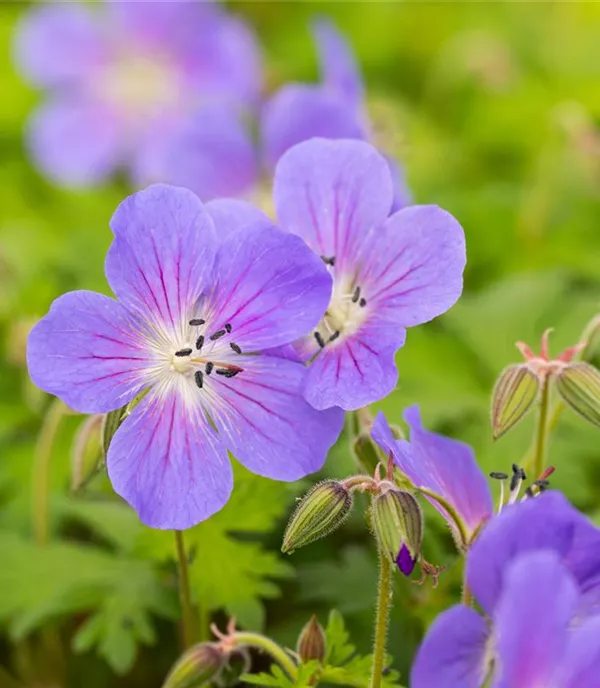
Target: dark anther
{"x":235,"y":348}
{"x":356,"y":295}
{"x":529,"y":492}
{"x":199,"y":378}
{"x":334,"y":336}
{"x":217,"y":334}
{"x":196,"y":322}
{"x":209,"y":366}
{"x":362,"y":303}
{"x":542,"y":484}
{"x":514,"y":481}
{"x":227,"y":372}
{"x":498,"y":476}
{"x":319,"y":339}
{"x":183,"y":352}
{"x":227,"y":327}
{"x":328,"y":260}
{"x":199,"y":342}
{"x":515,"y":468}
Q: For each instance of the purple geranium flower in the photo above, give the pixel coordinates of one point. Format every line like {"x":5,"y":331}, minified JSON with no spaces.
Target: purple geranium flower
{"x":535,"y":570}
{"x":443,"y":465}
{"x":158,"y":87}
{"x":389,"y":273}
{"x":332,"y":109}
{"x":191,"y":315}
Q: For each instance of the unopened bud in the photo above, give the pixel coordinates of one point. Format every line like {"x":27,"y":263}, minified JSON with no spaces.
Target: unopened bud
{"x":513,"y":396}
{"x":398,"y":525}
{"x":365,"y":451}
{"x":579,"y":386}
{"x":114,"y":419}
{"x":197,"y":666}
{"x":311,"y":642}
{"x":323,"y":509}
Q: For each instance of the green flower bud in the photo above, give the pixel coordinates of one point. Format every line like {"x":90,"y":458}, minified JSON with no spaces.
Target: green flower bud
{"x":579,"y":386}
{"x":196,"y":667}
{"x":397,"y":521}
{"x":311,"y":642}
{"x":323,"y":509}
{"x":514,"y":393}
{"x":366,"y":453}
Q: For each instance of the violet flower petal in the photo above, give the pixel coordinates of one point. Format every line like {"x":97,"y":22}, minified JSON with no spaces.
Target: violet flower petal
{"x":268,"y":286}
{"x":233,"y":214}
{"x":75,"y":142}
{"x":163,"y":253}
{"x":299,"y":112}
{"x":87,"y":351}
{"x":413,"y":267}
{"x":356,"y":371}
{"x":453,"y":652}
{"x":60,"y":44}
{"x":335,"y":195}
{"x":532,"y":619}
{"x":446,"y":466}
{"x":264,"y":421}
{"x":405,"y":561}
{"x":168,"y":462}
{"x":581,"y":665}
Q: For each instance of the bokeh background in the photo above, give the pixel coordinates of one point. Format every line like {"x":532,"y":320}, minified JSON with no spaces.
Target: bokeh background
{"x":494,"y":111}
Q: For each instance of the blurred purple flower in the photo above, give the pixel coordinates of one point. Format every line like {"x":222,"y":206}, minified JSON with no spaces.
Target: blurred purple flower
{"x":156,"y":87}
{"x":389,"y":273}
{"x":441,"y":464}
{"x":332,"y":109}
{"x":535,"y":570}
{"x":189,"y":308}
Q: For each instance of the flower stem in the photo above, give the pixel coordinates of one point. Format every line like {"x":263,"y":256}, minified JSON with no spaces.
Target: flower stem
{"x":541,"y":436}
{"x":384,"y":603}
{"x":270,"y":647}
{"x":184,"y":591}
{"x":41,"y":470}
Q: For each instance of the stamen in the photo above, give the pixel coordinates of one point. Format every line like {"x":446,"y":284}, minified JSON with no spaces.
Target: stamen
{"x":183,"y":352}
{"x":227,"y":372}
{"x":217,"y":335}
{"x":542,"y":485}
{"x":196,"y":322}
{"x":199,"y":342}
{"x":498,"y":476}
{"x":199,"y":378}
{"x":529,"y":492}
{"x":334,"y":336}
{"x":362,"y":303}
{"x":501,"y":477}
{"x":328,"y":261}
{"x":235,"y":348}
{"x":209,"y":366}
{"x":515,"y":482}
{"x":227,"y":327}
{"x":356,"y":295}
{"x":320,"y":340}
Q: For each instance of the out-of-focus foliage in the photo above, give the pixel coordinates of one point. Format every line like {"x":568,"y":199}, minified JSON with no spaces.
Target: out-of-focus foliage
{"x":494,"y":109}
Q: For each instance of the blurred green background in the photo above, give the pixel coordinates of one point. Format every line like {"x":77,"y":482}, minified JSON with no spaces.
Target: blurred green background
{"x":494,"y":110}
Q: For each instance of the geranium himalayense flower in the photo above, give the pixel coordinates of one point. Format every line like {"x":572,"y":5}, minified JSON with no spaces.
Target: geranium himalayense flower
{"x":389,"y":272}
{"x":535,"y":571}
{"x":156,"y":87}
{"x":335,"y":108}
{"x":196,"y":305}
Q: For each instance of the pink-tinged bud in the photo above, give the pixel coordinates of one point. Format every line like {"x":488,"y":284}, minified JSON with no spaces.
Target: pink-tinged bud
{"x":579,"y":386}
{"x":398,"y":525}
{"x":311,"y":642}
{"x":196,"y":667}
{"x":514,"y":393}
{"x":323,"y":509}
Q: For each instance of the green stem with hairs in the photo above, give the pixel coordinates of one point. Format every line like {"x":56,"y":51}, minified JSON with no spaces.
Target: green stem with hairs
{"x":452,"y":512}
{"x":184,"y":592}
{"x":41,"y":471}
{"x":384,"y":604}
{"x":270,"y":647}
{"x":541,"y":435}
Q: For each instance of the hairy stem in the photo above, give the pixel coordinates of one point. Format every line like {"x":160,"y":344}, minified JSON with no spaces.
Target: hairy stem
{"x":261,"y":642}
{"x":41,"y":470}
{"x":541,"y":435}
{"x":184,"y":591}
{"x":384,"y":604}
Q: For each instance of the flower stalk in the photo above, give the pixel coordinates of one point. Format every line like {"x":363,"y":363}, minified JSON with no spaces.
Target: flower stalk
{"x":541,"y":437}
{"x":184,"y":592}
{"x":384,"y":604}
{"x":261,"y":642}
